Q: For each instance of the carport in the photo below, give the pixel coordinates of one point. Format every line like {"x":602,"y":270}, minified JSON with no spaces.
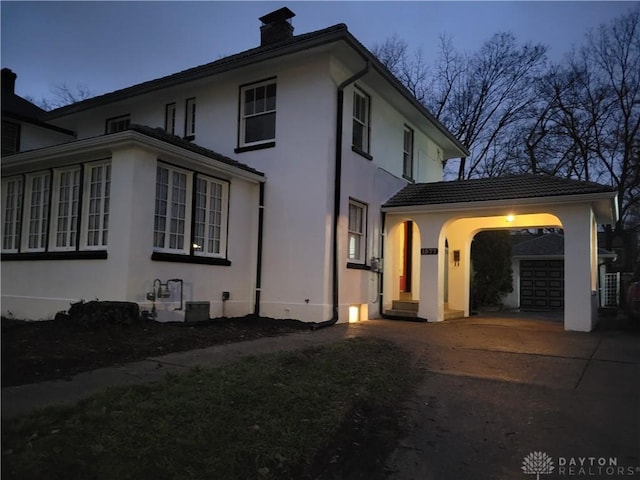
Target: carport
{"x":429,"y":228}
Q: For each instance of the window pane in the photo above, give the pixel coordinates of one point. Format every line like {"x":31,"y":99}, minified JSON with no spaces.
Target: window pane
{"x":99,"y":178}
{"x":271,"y":97}
{"x":261,"y":127}
{"x":249,"y":107}
{"x":358,"y":135}
{"x":12,"y":190}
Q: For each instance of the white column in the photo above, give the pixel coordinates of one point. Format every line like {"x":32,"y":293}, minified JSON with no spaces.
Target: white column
{"x":580,"y":310}
{"x":431,"y":267}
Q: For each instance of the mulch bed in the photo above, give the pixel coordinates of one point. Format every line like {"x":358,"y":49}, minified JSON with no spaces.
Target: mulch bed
{"x":55,"y":349}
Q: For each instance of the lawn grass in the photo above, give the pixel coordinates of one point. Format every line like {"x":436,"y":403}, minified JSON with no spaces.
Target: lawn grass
{"x":277,"y":416}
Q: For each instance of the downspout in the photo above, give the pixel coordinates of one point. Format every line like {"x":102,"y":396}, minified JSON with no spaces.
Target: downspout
{"x":381,"y":273}
{"x":336,"y":196}
{"x":256,"y":308}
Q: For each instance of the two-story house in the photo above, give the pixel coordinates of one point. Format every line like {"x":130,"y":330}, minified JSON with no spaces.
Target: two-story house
{"x":265,"y":182}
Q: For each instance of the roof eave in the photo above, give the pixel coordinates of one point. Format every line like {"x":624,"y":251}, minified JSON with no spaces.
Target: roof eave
{"x":198,"y":72}
{"x":603,"y":203}
{"x":103,"y":145}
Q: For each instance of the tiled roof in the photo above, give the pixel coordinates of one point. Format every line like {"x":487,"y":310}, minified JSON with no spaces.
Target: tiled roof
{"x":487,"y":189}
{"x":223,"y":64}
{"x":160,"y":134}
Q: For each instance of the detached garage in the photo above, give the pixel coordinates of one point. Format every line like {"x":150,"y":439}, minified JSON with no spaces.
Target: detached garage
{"x":538,"y":272}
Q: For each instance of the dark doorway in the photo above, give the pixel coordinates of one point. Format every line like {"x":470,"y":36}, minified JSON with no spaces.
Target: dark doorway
{"x":407,"y":257}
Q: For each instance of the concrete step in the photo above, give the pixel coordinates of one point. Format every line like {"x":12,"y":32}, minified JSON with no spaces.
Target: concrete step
{"x":402,"y":313}
{"x":449,"y":314}
{"x":408,"y":305}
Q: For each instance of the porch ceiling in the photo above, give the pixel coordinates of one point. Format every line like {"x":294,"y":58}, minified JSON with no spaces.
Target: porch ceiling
{"x":518,"y":189}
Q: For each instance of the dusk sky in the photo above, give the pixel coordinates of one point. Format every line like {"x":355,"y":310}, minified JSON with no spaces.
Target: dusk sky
{"x":111,"y":45}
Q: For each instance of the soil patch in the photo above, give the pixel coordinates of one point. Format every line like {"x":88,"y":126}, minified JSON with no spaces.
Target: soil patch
{"x":54,"y":349}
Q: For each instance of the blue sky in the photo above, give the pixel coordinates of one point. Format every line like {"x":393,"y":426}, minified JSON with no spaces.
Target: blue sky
{"x":112,"y":45}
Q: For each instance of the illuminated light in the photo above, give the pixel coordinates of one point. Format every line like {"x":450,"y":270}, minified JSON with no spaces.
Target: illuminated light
{"x":354,"y":313}
{"x":510,"y":218}
{"x":196,"y":246}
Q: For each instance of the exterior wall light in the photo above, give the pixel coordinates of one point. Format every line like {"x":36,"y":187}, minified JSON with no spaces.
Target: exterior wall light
{"x":510,"y":217}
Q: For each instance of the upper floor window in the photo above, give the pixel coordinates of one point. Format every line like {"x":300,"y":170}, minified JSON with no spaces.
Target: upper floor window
{"x":190,"y":119}
{"x":258,"y":115}
{"x":357,"y":232}
{"x":10,"y":137}
{"x":118,"y":124}
{"x":361,"y":118}
{"x":407,"y":153}
{"x":170,"y":118}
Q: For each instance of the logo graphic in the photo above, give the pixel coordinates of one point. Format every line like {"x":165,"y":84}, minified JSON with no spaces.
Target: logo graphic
{"x":537,"y":463}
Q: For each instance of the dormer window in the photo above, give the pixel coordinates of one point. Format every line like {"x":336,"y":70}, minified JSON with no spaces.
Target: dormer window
{"x":118,"y":124}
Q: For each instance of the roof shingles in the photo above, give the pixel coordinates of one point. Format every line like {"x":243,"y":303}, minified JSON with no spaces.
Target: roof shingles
{"x":488,"y":189}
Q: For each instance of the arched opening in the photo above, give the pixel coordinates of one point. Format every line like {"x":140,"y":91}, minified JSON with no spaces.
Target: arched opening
{"x":460,"y":233}
{"x":402,"y":268}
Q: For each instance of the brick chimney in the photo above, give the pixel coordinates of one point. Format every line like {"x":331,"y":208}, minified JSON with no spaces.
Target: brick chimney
{"x":276,"y":26}
{"x":8,"y":81}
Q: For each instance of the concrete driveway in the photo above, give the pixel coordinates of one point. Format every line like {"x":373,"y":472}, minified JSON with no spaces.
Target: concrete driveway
{"x":497,"y":389}
{"x":493,"y":391}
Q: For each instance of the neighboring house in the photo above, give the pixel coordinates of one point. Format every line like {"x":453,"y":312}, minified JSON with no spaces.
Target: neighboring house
{"x":537,"y":262}
{"x":23,"y":125}
{"x":276,"y":181}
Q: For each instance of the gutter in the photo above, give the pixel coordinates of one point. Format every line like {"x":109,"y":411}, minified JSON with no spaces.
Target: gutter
{"x":337,"y":191}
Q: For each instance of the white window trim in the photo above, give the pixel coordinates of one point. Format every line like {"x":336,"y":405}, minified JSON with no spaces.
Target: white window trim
{"x":409,"y":153}
{"x":190,"y":112}
{"x":362,"y":235}
{"x":224,"y":209}
{"x":187,"y":217}
{"x":55,"y":213}
{"x":12,"y":230}
{"x":367,"y":120}
{"x":26,"y":216}
{"x":115,"y":120}
{"x":243,"y":117}
{"x":170,"y":118}
{"x":104,"y":206}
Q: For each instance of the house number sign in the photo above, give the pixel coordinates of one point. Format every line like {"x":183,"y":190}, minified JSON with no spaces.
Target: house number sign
{"x":428,"y":251}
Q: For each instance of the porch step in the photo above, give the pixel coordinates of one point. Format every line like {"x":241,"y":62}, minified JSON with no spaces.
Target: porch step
{"x":402,"y":313}
{"x":449,"y":314}
{"x":404,"y":308}
{"x":408,"y":305}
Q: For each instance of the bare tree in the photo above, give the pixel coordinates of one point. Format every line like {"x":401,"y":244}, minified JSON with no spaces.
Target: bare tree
{"x":479,"y":96}
{"x":589,"y":110}
{"x":61,"y":95}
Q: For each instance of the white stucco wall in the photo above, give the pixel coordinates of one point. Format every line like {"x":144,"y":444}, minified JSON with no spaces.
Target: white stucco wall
{"x":37,"y":289}
{"x":297,"y":256}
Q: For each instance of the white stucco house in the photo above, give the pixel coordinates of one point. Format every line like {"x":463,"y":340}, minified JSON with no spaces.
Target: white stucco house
{"x":298,"y":179}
